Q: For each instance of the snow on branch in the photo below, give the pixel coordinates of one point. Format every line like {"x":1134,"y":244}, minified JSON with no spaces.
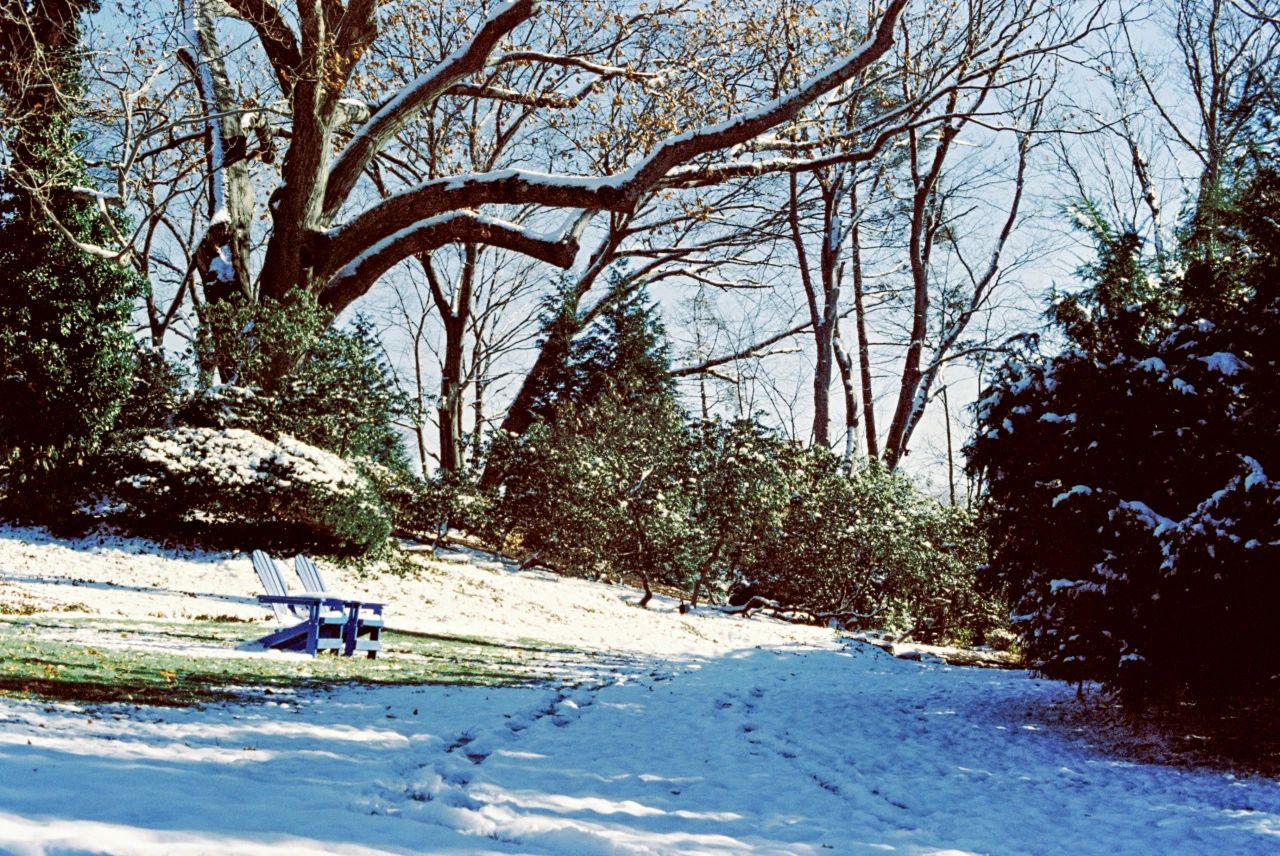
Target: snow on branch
{"x":575,"y":62}
{"x":356,"y":276}
{"x":619,"y":193}
{"x":527,"y":99}
{"x":400,"y":109}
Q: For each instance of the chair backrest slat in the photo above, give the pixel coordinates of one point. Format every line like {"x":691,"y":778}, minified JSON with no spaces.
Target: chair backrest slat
{"x":273,"y":582}
{"x":309,"y":574}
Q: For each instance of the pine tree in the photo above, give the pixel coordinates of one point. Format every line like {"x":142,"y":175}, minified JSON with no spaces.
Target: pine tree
{"x":66,"y":357}
{"x":625,"y":352}
{"x":1135,"y":478}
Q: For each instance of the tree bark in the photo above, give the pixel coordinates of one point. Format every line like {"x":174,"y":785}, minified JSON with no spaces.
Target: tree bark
{"x":845,"y":361}
{"x":222,"y":258}
{"x":860,"y":325}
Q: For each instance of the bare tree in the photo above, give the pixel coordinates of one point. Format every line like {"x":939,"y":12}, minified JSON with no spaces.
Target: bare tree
{"x":1175,"y":113}
{"x":324,"y":240}
{"x":979,"y":71}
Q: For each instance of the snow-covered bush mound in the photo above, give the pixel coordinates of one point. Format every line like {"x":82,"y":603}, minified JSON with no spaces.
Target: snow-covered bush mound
{"x":232,"y":477}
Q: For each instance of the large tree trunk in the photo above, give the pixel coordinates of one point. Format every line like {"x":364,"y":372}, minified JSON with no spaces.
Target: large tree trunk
{"x":895,"y":441}
{"x":297,"y":206}
{"x":454,"y":312}
{"x":451,"y":404}
{"x":822,"y":386}
{"x":919,"y":251}
{"x":222,"y":257}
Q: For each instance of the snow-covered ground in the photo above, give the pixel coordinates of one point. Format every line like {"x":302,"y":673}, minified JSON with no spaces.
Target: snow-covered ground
{"x":736,"y":736}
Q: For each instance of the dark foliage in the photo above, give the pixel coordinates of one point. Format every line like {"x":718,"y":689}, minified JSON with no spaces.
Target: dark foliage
{"x":1133,"y":502}
{"x":65,"y":352}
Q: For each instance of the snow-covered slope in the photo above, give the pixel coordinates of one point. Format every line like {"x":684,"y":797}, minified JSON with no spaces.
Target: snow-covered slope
{"x":758,"y":738}
{"x":463,"y":595}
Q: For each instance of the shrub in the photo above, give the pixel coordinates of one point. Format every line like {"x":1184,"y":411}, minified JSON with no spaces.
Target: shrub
{"x":233,"y":482}
{"x":868,"y":549}
{"x":596,"y":484}
{"x":612,"y":478}
{"x":597,"y":493}
{"x":158,"y":391}
{"x":1131,"y":511}
{"x":286,"y":370}
{"x":429,"y":508}
{"x":302,"y":392}
{"x":740,"y":480}
{"x":65,"y":352}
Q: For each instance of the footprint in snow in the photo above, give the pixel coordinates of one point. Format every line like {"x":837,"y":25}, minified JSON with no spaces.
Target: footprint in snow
{"x":461,"y":740}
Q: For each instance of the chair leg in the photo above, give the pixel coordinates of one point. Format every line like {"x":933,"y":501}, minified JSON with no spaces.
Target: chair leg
{"x":313,"y":630}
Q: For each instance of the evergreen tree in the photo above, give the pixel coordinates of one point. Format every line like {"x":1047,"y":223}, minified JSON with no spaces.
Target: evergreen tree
{"x":66,"y":358}
{"x":1133,"y":501}
{"x":626,"y":351}
{"x":595,"y":485}
{"x":1123,"y":305}
{"x":291,"y":372}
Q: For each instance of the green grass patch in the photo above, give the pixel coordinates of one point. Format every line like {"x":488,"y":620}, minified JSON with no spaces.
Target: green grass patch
{"x":101,"y":660}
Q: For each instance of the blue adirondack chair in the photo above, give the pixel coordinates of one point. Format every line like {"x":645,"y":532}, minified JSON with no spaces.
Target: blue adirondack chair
{"x":364,"y":625}
{"x":311,"y":627}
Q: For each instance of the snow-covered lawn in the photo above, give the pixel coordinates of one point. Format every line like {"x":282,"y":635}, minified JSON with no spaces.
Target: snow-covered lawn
{"x":713,"y":735}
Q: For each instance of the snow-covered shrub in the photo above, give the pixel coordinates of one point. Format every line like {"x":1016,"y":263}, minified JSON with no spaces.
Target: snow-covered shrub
{"x":869,"y":549}
{"x":290,"y":376}
{"x":231,"y":480}
{"x":287,"y":371}
{"x":1131,"y":513}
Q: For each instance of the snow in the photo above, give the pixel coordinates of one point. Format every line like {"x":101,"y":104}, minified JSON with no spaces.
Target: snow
{"x":1078,"y":490}
{"x":1255,"y":475}
{"x":1224,"y":363}
{"x":222,"y":267}
{"x":718,"y":735}
{"x":1152,"y":519}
